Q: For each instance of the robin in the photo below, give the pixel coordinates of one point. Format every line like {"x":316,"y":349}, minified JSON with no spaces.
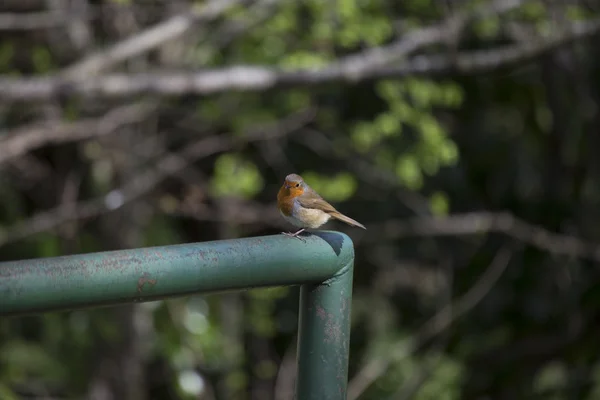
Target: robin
{"x":301,"y":206}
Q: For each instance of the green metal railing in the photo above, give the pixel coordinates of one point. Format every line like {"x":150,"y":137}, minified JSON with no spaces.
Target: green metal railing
{"x":322,"y":264}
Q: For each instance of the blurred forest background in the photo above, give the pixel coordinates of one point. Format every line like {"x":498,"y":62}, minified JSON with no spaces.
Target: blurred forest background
{"x":463,"y":133}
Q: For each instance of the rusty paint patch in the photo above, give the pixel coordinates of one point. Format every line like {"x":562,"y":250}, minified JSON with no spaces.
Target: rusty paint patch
{"x":333,"y":330}
{"x":145,"y":279}
{"x":321,"y":312}
{"x":344,"y":305}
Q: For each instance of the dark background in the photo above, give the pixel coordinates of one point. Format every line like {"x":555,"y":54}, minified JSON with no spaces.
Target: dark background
{"x":463,"y":134}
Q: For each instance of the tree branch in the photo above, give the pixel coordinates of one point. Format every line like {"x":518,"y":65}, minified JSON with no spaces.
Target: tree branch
{"x":441,"y":321}
{"x":487,"y":222}
{"x":149,"y":178}
{"x":419,"y":39}
{"x":251,"y":78}
{"x":32,"y":21}
{"x":145,"y":41}
{"x":23,"y":140}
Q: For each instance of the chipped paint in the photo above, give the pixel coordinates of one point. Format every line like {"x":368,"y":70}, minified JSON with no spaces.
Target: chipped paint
{"x":321,"y":312}
{"x":333,"y":329}
{"x":145,"y":279}
{"x":324,"y":338}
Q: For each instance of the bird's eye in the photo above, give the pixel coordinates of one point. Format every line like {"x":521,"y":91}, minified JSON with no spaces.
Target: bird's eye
{"x":297,"y":184}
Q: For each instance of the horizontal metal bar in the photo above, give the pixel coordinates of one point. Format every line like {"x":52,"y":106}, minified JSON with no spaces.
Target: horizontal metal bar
{"x":97,"y":279}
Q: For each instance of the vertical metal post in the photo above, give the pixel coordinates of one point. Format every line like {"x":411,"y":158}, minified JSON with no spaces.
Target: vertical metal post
{"x":324,"y":337}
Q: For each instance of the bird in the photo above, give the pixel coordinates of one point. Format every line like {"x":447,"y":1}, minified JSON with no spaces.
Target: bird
{"x":301,"y":206}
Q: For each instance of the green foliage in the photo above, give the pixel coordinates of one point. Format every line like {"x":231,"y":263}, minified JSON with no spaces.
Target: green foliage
{"x":411,"y":103}
{"x":11,"y":205}
{"x":27,"y":360}
{"x":595,"y":377}
{"x":7,"y":52}
{"x":304,"y":60}
{"x":6,"y":393}
{"x":487,"y":27}
{"x":532,"y":10}
{"x":409,"y":172}
{"x":576,"y":13}
{"x":439,"y":204}
{"x":336,"y":188}
{"x":251,"y":117}
{"x":444,"y":381}
{"x":297,"y":99}
{"x":536,"y":12}
{"x":237,"y":380}
{"x":161,"y":232}
{"x":261,"y":306}
{"x":443,"y":374}
{"x":553,"y":376}
{"x":236,"y":177}
{"x":48,"y":245}
{"x":42,"y":60}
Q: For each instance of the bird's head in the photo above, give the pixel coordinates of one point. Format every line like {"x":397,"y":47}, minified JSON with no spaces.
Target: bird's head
{"x":293,"y":185}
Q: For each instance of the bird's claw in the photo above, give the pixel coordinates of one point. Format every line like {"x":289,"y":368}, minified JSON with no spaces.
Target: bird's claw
{"x":295,"y":235}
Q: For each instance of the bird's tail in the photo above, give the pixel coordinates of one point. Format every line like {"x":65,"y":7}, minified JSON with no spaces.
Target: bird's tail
{"x":348,"y":220}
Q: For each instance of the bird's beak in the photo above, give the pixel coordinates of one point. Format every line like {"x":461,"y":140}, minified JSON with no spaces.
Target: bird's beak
{"x":286,"y":186}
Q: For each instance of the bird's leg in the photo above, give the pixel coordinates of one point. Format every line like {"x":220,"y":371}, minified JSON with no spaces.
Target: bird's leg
{"x":296,"y":234}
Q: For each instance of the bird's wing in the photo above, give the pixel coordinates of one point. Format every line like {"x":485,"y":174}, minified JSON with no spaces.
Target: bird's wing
{"x":313,"y":200}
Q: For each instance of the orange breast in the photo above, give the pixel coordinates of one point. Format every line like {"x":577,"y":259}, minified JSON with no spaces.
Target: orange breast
{"x":285,"y":199}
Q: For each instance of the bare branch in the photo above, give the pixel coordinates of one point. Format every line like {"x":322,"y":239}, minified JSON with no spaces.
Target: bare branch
{"x":145,"y":41}
{"x":418,"y":39}
{"x":485,"y":222}
{"x":23,"y":140}
{"x":249,"y":78}
{"x":257,"y":13}
{"x":149,"y":178}
{"x":441,"y":321}
{"x":31,"y":21}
